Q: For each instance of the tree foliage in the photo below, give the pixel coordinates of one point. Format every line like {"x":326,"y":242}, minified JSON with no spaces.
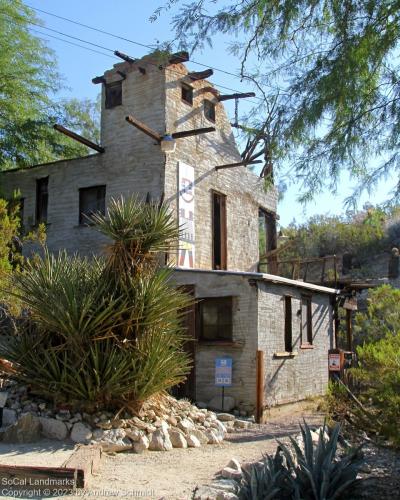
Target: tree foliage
{"x":327,"y":72}
{"x":29,"y":83}
{"x":107,"y":332}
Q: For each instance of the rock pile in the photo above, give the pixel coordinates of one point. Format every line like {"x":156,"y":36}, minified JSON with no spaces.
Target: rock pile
{"x":162,"y":424}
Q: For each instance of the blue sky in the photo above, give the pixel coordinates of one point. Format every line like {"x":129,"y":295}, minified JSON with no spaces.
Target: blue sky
{"x":130,"y":19}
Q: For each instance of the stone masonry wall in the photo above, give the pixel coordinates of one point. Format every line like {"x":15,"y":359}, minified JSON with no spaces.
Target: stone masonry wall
{"x":244,"y":190}
{"x":243,"y":353}
{"x":293,"y":378}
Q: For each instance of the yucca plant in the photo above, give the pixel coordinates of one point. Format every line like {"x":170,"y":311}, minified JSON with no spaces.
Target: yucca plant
{"x":311,"y":472}
{"x":105,"y":332}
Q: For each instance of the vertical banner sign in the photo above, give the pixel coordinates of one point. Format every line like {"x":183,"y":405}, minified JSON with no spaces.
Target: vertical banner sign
{"x":186,"y":252}
{"x":223,"y":372}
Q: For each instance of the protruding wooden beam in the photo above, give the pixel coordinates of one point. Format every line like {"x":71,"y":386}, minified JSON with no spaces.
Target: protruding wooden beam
{"x":178,"y":57}
{"x":238,"y":164}
{"x":98,"y":79}
{"x":144,"y":128}
{"x":197,"y":131}
{"x":200,"y":75}
{"x":78,"y":138}
{"x":226,"y":97}
{"x":125,"y":57}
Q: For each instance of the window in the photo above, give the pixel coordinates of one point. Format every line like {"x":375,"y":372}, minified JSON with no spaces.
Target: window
{"x":306,"y":320}
{"x":187,"y":93}
{"x":91,"y":200}
{"x":288,"y":324}
{"x":209,"y":110}
{"x":113,"y":94}
{"x":215,"y":316}
{"x":267,"y":240}
{"x":42,"y":199}
{"x":219,"y":257}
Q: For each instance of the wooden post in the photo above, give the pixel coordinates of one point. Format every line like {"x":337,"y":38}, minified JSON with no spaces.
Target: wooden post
{"x":349,"y":328}
{"x":260,"y":371}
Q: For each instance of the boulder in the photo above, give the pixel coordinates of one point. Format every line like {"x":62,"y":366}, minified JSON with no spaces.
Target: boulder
{"x":234,"y":464}
{"x":26,"y":430}
{"x":213,"y":437}
{"x":200,"y":435}
{"x":81,"y":433}
{"x":141,"y":444}
{"x":177,"y":439}
{"x":241,"y":424}
{"x":216,"y":403}
{"x":113,"y":446}
{"x":225,"y":417}
{"x":53,"y":428}
{"x":133,"y":434}
{"x":186,"y":425}
{"x":192,"y":441}
{"x":229,"y":473}
{"x":227,"y":485}
{"x":160,"y":441}
{"x":9,"y":417}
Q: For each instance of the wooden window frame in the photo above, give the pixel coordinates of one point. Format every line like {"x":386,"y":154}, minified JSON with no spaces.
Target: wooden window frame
{"x":307,"y":336}
{"x":220,"y":254}
{"x":225,"y":300}
{"x":189,"y":89}
{"x":288,"y":338}
{"x":83,"y":221}
{"x":212,"y":107}
{"x":42,"y":200}
{"x":109,"y":101}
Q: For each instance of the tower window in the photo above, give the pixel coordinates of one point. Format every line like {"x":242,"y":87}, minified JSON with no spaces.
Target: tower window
{"x":209,"y":110}
{"x":42,"y":198}
{"x":91,"y":200}
{"x":113,"y":94}
{"x":187,"y":93}
{"x":219,"y":248}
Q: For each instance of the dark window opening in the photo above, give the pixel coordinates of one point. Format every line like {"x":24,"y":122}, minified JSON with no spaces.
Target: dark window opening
{"x":215,"y":315}
{"x":219,"y":231}
{"x":91,"y":200}
{"x":113,"y":94}
{"x":42,"y":199}
{"x":187,"y":93}
{"x":267,"y":239}
{"x":306,"y":320}
{"x":288,"y":324}
{"x":209,"y":110}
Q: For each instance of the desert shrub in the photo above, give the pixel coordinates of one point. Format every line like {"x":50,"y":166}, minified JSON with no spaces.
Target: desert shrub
{"x":308,"y":472}
{"x":104,"y":332}
{"x":378,"y":373}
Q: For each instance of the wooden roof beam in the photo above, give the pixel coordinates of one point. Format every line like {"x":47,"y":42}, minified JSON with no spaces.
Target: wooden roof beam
{"x":197,"y":131}
{"x":178,"y":57}
{"x":226,"y":97}
{"x":143,"y":128}
{"x":124,"y":57}
{"x":238,"y":164}
{"x":200,"y":75}
{"x":78,"y":138}
{"x":98,"y":79}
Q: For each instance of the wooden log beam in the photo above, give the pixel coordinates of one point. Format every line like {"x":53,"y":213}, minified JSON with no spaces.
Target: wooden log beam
{"x":98,"y":79}
{"x":125,"y":57}
{"x":178,"y":57}
{"x":226,"y":97}
{"x":143,"y":128}
{"x":187,"y":133}
{"x":200,"y":75}
{"x":238,"y":164}
{"x":78,"y":138}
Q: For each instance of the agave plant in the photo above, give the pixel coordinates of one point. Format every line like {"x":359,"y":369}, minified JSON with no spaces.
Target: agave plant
{"x":107,"y":332}
{"x":312,"y":473}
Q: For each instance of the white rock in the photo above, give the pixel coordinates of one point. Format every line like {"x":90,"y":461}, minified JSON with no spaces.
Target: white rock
{"x":53,"y":428}
{"x":186,"y":425}
{"x":200,"y":435}
{"x":220,"y":428}
{"x":213,"y":437}
{"x":160,"y":441}
{"x":234,"y":464}
{"x":80,"y":433}
{"x":133,"y":434}
{"x":225,"y":417}
{"x":241,"y":424}
{"x":192,"y":441}
{"x":177,"y":439}
{"x":141,"y":445}
{"x":216,"y":403}
{"x":230,"y":473}
{"x":114,"y":446}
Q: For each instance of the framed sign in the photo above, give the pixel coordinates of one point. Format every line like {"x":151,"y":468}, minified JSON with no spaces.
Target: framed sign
{"x":223,"y":372}
{"x":334,"y":362}
{"x":186,"y":252}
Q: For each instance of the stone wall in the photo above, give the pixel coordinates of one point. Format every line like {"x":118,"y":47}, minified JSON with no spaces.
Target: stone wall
{"x":244,"y":347}
{"x":293,"y":378}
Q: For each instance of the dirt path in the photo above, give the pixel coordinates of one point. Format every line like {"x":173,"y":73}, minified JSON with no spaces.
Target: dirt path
{"x":175,"y":474}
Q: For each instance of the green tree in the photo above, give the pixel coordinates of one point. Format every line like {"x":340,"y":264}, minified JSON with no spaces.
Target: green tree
{"x":328,"y":74}
{"x":29,"y":82}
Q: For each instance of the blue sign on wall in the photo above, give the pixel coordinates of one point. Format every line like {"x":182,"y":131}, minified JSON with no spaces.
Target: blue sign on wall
{"x":223,"y":372}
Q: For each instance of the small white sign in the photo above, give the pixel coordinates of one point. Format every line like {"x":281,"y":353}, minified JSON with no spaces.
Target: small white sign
{"x":186,"y":252}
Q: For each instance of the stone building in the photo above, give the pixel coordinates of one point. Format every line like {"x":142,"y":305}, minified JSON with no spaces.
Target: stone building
{"x":276,"y":331}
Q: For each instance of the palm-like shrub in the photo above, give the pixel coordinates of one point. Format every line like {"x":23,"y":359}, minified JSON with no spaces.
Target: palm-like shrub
{"x":105,"y":332}
{"x":307,"y":472}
